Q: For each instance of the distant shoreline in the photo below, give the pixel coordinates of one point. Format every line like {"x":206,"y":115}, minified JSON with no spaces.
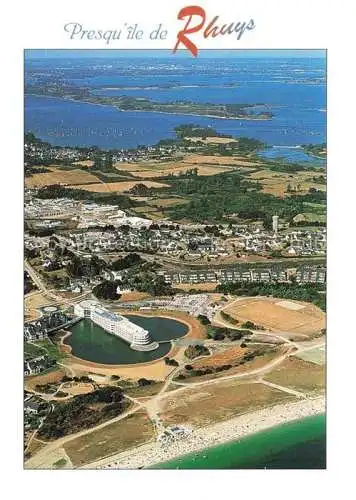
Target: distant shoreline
{"x":247,"y":118}
{"x":152,"y":454}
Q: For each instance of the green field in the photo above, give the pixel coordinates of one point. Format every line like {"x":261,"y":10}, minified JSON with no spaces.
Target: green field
{"x":52,"y":350}
{"x":32,"y":351}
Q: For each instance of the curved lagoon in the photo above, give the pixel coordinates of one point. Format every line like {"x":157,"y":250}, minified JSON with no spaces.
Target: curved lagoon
{"x":90,"y":342}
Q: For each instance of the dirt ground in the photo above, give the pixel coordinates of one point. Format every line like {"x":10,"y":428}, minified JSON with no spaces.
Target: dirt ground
{"x":128,"y":433}
{"x":220,"y":358}
{"x":206,"y":287}
{"x":57,"y":176}
{"x":47,"y":378}
{"x":299,"y":375}
{"x":155,"y":370}
{"x":32,"y":302}
{"x":74,"y":388}
{"x":132,"y":296}
{"x":111,"y":187}
{"x":264,"y":311}
{"x":209,"y":404}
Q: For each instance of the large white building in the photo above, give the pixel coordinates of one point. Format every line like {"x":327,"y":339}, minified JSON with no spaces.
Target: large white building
{"x":138,"y":338}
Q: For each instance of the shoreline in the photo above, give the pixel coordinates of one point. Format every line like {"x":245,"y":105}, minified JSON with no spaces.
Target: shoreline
{"x":244,"y":117}
{"x":152,"y":454}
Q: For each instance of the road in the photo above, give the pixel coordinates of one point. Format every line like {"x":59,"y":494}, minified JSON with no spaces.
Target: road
{"x":49,"y":293}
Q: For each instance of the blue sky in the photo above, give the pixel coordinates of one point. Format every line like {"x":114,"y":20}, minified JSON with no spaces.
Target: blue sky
{"x":113,"y":53}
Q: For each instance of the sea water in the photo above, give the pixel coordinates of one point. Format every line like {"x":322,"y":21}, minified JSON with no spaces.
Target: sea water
{"x":293,"y":89}
{"x":296,"y":445}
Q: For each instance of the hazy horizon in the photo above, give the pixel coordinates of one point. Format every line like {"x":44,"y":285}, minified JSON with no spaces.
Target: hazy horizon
{"x":149,"y":53}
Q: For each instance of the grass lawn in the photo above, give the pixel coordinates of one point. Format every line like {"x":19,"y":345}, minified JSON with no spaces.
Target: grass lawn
{"x":52,"y":350}
{"x":298,"y":374}
{"x":32,"y":351}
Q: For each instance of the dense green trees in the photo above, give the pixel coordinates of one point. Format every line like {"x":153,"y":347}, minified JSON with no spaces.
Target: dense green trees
{"x":83,"y":412}
{"x":129,"y":260}
{"x":79,"y":266}
{"x":213,"y":198}
{"x":107,"y":290}
{"x":204,"y":320}
{"x":56,"y":191}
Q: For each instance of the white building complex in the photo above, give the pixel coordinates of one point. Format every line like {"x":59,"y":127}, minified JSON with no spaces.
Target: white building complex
{"x":138,"y":338}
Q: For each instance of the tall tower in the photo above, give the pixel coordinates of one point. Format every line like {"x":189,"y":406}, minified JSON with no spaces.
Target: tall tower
{"x":275,"y":223}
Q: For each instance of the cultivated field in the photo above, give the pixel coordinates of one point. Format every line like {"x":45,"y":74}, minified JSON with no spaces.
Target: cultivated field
{"x":176,"y":168}
{"x":117,"y":187}
{"x":276,"y":183}
{"x":236,"y":161}
{"x":211,"y":403}
{"x":57,"y":176}
{"x":165,"y":202}
{"x":130,"y":432}
{"x":206,"y":165}
{"x":279,"y":315}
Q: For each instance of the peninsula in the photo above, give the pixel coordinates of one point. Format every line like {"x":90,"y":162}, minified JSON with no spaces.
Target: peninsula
{"x":240,"y":111}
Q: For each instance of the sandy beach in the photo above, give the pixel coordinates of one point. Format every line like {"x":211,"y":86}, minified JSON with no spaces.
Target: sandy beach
{"x":154,"y":453}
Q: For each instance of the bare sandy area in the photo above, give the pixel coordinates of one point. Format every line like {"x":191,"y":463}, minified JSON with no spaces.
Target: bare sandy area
{"x":155,"y":370}
{"x":75,"y":388}
{"x":268,"y":312}
{"x":32,"y":302}
{"x":154,"y":453}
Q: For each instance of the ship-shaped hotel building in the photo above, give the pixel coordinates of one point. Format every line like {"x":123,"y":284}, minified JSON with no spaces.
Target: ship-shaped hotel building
{"x":138,"y":338}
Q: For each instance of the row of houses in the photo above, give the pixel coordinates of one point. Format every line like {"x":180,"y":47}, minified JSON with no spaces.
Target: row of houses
{"x":302,"y":275}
